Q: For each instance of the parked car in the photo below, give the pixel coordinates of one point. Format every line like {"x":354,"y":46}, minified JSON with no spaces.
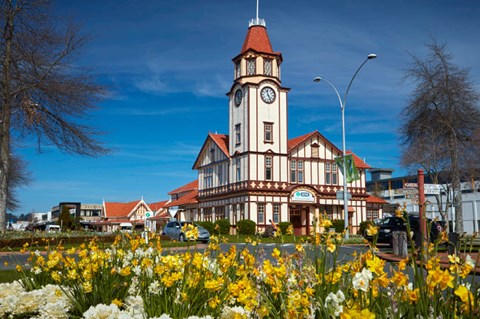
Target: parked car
{"x":174,"y":230}
{"x":388,"y":225}
{"x":52,"y":228}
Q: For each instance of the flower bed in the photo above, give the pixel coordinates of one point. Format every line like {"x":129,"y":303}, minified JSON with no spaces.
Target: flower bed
{"x":135,"y":279}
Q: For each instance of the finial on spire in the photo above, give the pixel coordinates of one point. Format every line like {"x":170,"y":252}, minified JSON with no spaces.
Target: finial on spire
{"x":257,"y":20}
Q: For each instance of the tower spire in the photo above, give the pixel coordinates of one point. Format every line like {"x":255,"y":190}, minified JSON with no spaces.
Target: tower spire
{"x":257,"y":20}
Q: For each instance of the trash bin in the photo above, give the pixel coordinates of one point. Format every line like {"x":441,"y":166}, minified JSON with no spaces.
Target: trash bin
{"x":453,"y":243}
{"x":399,"y":243}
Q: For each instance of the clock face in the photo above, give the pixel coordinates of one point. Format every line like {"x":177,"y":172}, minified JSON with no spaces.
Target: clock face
{"x":238,"y":97}
{"x":268,"y":94}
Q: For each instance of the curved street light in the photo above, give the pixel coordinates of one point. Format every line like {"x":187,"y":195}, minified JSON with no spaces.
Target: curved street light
{"x":343,"y":104}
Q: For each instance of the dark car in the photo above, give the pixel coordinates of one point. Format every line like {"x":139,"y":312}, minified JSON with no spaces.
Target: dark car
{"x":174,"y":230}
{"x":388,"y":225}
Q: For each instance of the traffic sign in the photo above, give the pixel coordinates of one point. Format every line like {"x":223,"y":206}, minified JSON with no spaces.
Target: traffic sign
{"x":432,"y":189}
{"x":148,"y":214}
{"x":406,"y":191}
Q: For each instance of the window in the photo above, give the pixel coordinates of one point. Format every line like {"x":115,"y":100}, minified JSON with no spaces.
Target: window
{"x":267,"y":67}
{"x":296,"y":171}
{"x":293,"y":171}
{"x":212,"y":154}
{"x":237,"y":70}
{"x":242,"y":211}
{"x":207,"y":214}
{"x":208,"y":177}
{"x":220,"y":175}
{"x":238,"y":136}
{"x":372,"y":214}
{"x":268,"y":168}
{"x":238,"y":168}
{"x":260,"y":213}
{"x":276,"y":213}
{"x":331,"y":173}
{"x":219,"y":212}
{"x":315,"y":151}
{"x":251,"y":67}
{"x":300,"y":171}
{"x":268,"y":134}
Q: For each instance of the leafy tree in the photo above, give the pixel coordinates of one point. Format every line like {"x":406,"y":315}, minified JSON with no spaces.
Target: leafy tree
{"x":441,"y":122}
{"x":66,"y":220}
{"x":43,"y":94}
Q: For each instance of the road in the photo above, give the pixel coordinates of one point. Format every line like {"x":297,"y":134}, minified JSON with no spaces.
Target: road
{"x":345,"y":254}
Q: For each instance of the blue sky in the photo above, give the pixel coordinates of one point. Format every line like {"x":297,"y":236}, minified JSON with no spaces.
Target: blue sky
{"x":168,"y":66}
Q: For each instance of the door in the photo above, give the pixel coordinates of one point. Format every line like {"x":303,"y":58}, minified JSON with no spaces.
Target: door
{"x":296,"y":220}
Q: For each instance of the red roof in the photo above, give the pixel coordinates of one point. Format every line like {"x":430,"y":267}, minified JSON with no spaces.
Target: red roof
{"x":187,"y":187}
{"x":294,"y":142}
{"x":358,"y":162}
{"x":164,"y":215}
{"x":189,"y":198}
{"x":158,"y":205}
{"x":257,"y":40}
{"x":222,"y":142}
{"x":375,"y":199}
{"x":113,"y":209}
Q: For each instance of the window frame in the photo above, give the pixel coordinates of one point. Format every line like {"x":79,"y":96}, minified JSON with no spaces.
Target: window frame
{"x":261,"y":212}
{"x":270,"y":63}
{"x":267,"y":131}
{"x":276,"y":213}
{"x":268,"y":168}
{"x":251,"y":61}
{"x":238,"y":135}
{"x":331,"y":173}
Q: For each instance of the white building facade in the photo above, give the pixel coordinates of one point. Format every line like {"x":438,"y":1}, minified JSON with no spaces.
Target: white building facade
{"x":256,"y":172}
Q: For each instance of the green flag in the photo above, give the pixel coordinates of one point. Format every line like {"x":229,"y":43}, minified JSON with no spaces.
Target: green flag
{"x":352,"y":171}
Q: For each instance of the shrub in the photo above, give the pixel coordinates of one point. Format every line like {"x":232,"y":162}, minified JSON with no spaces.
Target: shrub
{"x":208,"y":226}
{"x":246,"y":227}
{"x":284,"y":226}
{"x":222,"y":227}
{"x":339,"y":225}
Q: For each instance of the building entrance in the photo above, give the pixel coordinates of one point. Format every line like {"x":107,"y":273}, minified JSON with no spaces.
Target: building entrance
{"x":299,"y":217}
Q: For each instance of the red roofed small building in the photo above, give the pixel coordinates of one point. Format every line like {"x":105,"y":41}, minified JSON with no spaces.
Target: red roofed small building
{"x":183,"y":204}
{"x":134,"y":212}
{"x":256,"y":172}
{"x":160,"y":215}
{"x":375,"y":207}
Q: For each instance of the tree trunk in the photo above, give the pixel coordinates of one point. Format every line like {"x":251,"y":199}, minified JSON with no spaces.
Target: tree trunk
{"x":5,"y":117}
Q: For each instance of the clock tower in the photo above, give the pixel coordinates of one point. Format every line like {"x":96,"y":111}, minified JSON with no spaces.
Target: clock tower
{"x":258,"y":110}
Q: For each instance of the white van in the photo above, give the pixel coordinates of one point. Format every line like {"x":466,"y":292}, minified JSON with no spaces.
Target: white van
{"x":126,"y":227}
{"x":53,"y":228}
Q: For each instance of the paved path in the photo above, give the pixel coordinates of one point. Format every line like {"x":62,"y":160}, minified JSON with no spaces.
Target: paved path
{"x":444,"y":262}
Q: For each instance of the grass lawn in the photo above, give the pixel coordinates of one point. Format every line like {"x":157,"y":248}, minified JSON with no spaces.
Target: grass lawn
{"x":8,"y":276}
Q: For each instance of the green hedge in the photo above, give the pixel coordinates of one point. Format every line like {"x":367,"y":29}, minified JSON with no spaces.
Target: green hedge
{"x":339,"y":225}
{"x":53,"y":241}
{"x":222,"y":227}
{"x":284,"y":226}
{"x":208,"y":226}
{"x":246,"y":227}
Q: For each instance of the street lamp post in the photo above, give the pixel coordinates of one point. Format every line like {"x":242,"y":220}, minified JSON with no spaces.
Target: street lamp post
{"x":343,"y":104}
